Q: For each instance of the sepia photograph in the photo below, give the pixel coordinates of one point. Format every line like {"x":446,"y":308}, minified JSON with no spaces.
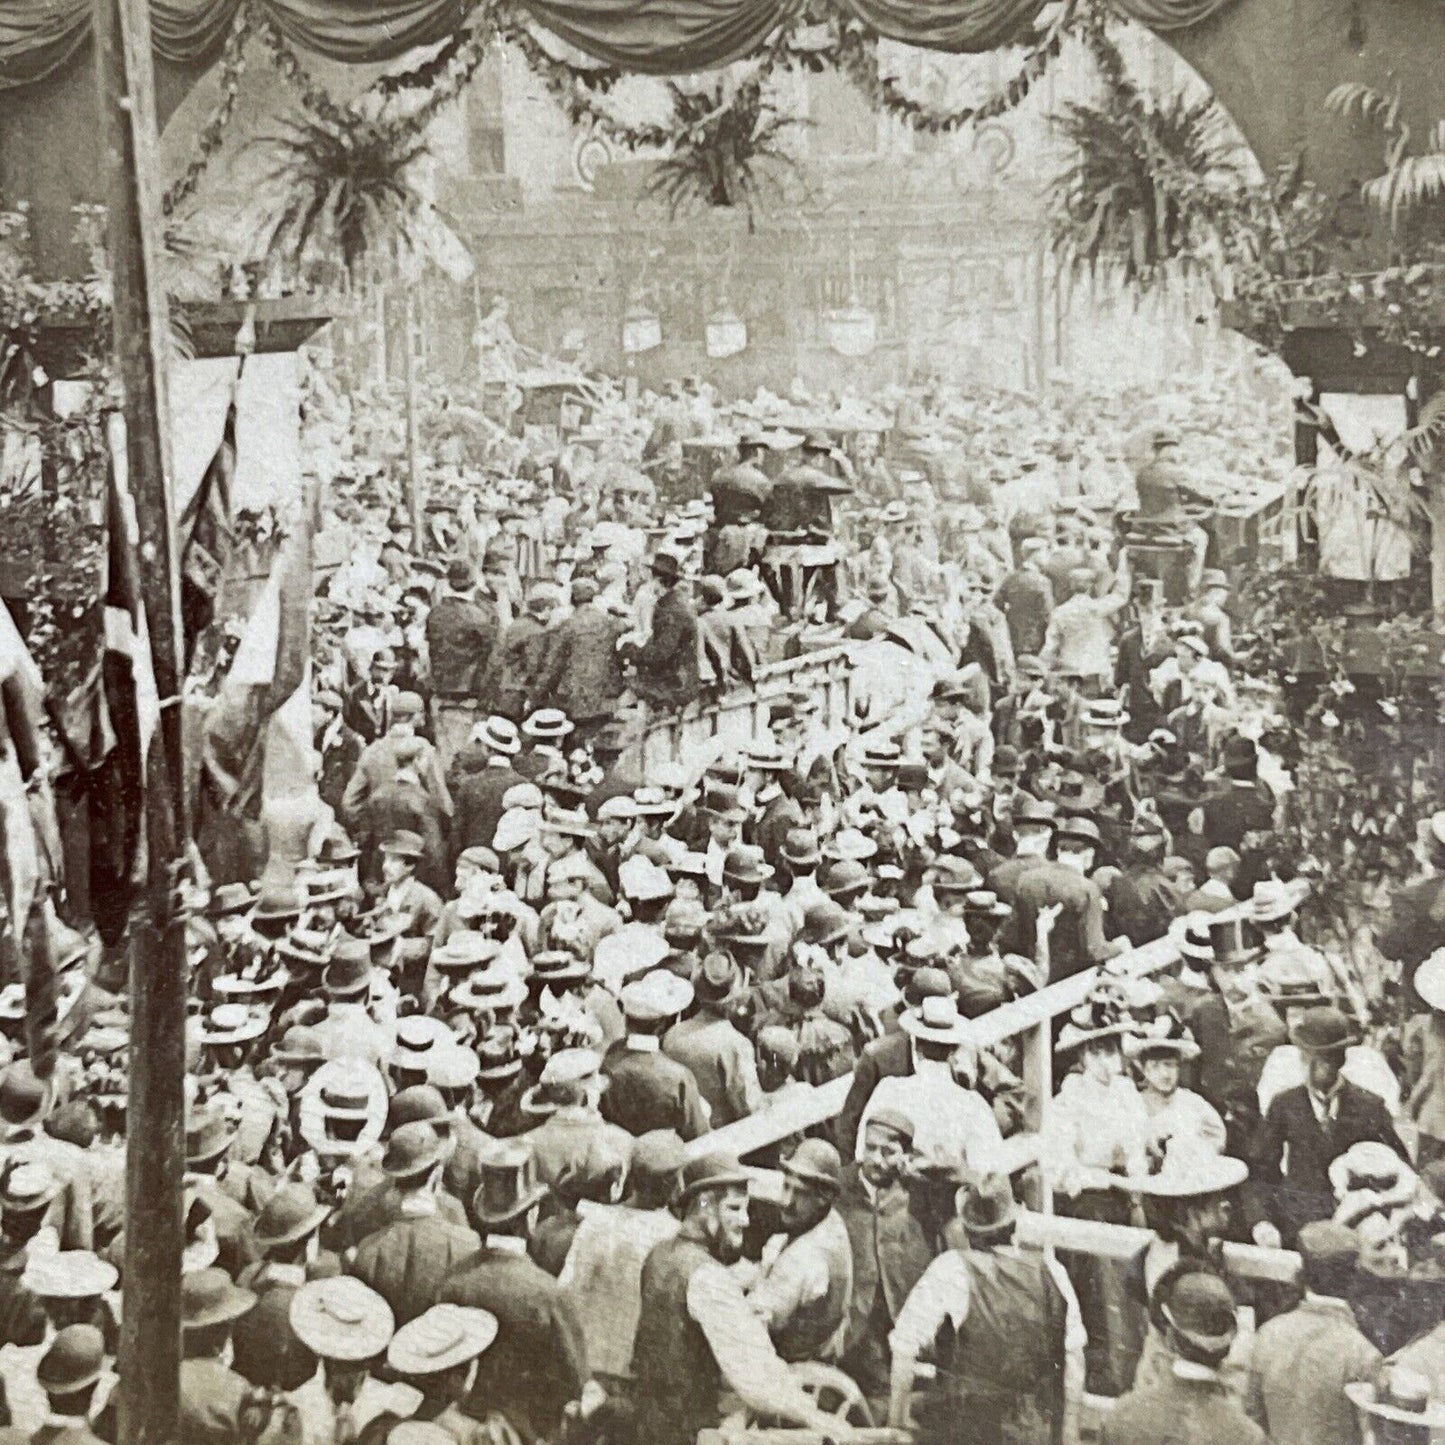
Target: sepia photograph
{"x":722,"y":722}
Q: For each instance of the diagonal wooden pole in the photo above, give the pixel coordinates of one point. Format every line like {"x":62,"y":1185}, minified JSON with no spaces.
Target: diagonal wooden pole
{"x":150,"y":1345}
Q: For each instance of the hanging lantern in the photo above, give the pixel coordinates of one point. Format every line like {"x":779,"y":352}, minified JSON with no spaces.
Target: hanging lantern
{"x":641,"y":330}
{"x":853,"y":330}
{"x":727,"y":333}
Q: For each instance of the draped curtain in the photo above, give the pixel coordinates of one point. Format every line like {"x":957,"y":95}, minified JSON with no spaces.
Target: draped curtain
{"x":657,"y":37}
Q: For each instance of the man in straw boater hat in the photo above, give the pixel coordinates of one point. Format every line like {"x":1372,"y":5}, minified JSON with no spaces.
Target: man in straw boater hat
{"x":647,"y":1089}
{"x":569,"y":1130}
{"x":1309,"y":1126}
{"x":347,"y":1326}
{"x":1011,"y":1367}
{"x":538,"y":1364}
{"x":1189,"y":1401}
{"x":950,"y":1122}
{"x":697,"y":1335}
{"x":1189,"y":1203}
{"x":438,"y":1353}
{"x":1402,"y":1408}
{"x":1303,"y":1359}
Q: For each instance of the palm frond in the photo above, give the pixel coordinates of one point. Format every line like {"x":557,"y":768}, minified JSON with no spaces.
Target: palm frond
{"x":1355,"y":98}
{"x":727,"y":152}
{"x":1411,"y":184}
{"x":342,"y":190}
{"x":1140,"y":213}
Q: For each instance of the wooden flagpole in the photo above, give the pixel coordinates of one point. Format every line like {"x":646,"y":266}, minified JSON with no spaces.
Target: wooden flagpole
{"x":155,"y":1127}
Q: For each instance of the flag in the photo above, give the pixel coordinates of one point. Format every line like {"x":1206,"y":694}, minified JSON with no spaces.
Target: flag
{"x":206,"y":537}
{"x":30,"y":856}
{"x":130,"y":712}
{"x":258,"y":733}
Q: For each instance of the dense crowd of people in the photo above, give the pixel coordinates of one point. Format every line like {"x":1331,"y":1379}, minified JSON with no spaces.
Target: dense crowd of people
{"x":468,"y":1083}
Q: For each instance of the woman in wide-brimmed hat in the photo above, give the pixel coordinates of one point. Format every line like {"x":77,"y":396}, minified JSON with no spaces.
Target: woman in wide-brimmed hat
{"x":1158,"y":1050}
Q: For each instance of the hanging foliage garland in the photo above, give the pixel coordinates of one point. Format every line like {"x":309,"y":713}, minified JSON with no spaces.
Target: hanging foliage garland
{"x":208,"y":141}
{"x":855,"y":55}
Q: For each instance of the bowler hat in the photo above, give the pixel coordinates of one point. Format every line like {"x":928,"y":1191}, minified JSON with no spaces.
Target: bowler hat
{"x":208,"y":1297}
{"x":826,"y":923}
{"x":667,"y":565}
{"x":989,"y":1209}
{"x":845,"y":878}
{"x":1199,"y":1308}
{"x":289,"y":1215}
{"x":24,"y":1098}
{"x":816,"y":1163}
{"x":74,"y":1361}
{"x":1322,"y":1031}
{"x":348,"y":975}
{"x":412,"y":1151}
{"x":746,"y":864}
{"x":708,"y":1172}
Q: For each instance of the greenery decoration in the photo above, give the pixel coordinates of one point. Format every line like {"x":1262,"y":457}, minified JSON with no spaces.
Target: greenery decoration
{"x":1411,"y":184}
{"x":212,"y":132}
{"x":345,"y":192}
{"x":726,"y":151}
{"x":855,"y":54}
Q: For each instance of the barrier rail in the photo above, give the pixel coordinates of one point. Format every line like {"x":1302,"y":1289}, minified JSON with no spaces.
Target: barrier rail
{"x":807,"y":1106}
{"x":737,"y":718}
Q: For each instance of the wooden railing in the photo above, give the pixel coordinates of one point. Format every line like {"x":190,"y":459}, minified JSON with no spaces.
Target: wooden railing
{"x":738,"y":717}
{"x":805,"y":1107}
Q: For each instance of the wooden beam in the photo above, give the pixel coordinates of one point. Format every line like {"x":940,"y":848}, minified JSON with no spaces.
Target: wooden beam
{"x":149,"y":1363}
{"x":807,"y":1106}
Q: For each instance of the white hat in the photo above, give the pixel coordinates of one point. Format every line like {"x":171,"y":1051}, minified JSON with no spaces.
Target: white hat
{"x":1430,"y":981}
{"x":643,"y":881}
{"x":1389,"y":1403}
{"x":936,"y":1021}
{"x":1190,"y":1174}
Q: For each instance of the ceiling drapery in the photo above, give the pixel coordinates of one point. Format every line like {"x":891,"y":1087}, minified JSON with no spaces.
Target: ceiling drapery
{"x":38,"y":37}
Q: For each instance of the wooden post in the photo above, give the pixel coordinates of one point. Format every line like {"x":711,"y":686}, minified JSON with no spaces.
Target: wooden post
{"x":149,"y":1361}
{"x":413,"y":442}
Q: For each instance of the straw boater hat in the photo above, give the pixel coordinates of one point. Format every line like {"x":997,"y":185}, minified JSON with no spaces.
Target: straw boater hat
{"x":566,"y":1071}
{"x":343,"y":1108}
{"x":1190,"y":1173}
{"x":1272,"y":901}
{"x":936,"y":1020}
{"x":442,"y":1338}
{"x":1403,"y":1398}
{"x":232,"y":1023}
{"x":547,"y":724}
{"x":1292,"y":978}
{"x":341,"y":1319}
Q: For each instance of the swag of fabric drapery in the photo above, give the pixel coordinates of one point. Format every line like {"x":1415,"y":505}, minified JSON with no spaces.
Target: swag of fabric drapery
{"x":657,"y":37}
